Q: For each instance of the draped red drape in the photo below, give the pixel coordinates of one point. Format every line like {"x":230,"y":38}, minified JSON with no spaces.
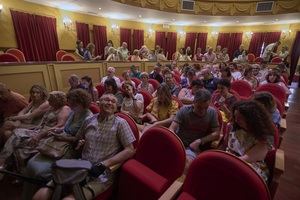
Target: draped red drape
{"x":190,"y":41}
{"x":234,"y":43}
{"x":138,"y":39}
{"x":100,"y":39}
{"x":201,"y":41}
{"x":223,"y":39}
{"x":171,"y":44}
{"x":258,"y":39}
{"x":160,"y":39}
{"x":295,"y":56}
{"x":125,"y":36}
{"x":36,"y":36}
{"x":83,"y":33}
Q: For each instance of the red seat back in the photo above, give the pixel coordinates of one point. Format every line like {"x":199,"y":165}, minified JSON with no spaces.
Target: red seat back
{"x":177,"y":78}
{"x":276,"y":60}
{"x":68,"y":57}
{"x":101,"y":89}
{"x":133,"y":127}
{"x":7,"y":57}
{"x":154,"y":83}
{"x":159,"y":160}
{"x":136,"y":81}
{"x":147,"y":98}
{"x":276,"y":90}
{"x":258,"y":60}
{"x":243,"y":88}
{"x":216,"y":175}
{"x":251,"y":57}
{"x":19,"y":54}
{"x":60,"y":54}
{"x":94,"y":108}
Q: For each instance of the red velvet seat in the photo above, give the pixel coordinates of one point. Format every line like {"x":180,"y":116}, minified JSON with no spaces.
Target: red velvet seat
{"x":7,"y":57}
{"x":276,"y":60}
{"x":258,"y":60}
{"x":158,"y":162}
{"x":154,"y":83}
{"x":94,"y":108}
{"x":19,"y":54}
{"x":243,"y":88}
{"x":147,"y":98}
{"x":136,"y":81}
{"x":276,"y":90}
{"x":177,"y":78}
{"x":216,"y":175}
{"x":68,"y":57}
{"x":101,"y":89}
{"x":251,"y":57}
{"x":60,"y":54}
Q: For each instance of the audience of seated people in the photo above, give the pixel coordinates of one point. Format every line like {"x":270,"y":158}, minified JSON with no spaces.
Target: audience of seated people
{"x":274,"y":77}
{"x":145,"y":85}
{"x":156,"y":73}
{"x":186,"y":95}
{"x":106,"y":140}
{"x":23,"y":142}
{"x":111,"y":74}
{"x":74,"y":82}
{"x":39,"y":166}
{"x":87,"y":83}
{"x":31,"y":115}
{"x":250,"y":78}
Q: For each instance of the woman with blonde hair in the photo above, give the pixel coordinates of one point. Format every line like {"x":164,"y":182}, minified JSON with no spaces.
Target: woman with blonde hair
{"x":113,"y":54}
{"x":89,"y":53}
{"x":135,"y":56}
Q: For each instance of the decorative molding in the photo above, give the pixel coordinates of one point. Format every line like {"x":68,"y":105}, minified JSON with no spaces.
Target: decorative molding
{"x":218,"y":7}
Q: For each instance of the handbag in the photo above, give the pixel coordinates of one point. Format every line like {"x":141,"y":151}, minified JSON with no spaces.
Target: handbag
{"x":53,"y":148}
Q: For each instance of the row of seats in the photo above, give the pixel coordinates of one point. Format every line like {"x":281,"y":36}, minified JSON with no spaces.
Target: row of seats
{"x":258,"y":60}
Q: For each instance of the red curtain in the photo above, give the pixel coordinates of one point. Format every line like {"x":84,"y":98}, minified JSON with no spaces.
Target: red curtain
{"x":295,"y":56}
{"x":160,"y":39}
{"x":190,"y":41}
{"x":171,"y":44}
{"x":223,"y":39}
{"x":234,"y":43}
{"x":138,"y":39}
{"x":83,"y":33}
{"x":201,"y":41}
{"x":258,"y":39}
{"x":100,"y":39}
{"x":36,"y":36}
{"x":125,"y":36}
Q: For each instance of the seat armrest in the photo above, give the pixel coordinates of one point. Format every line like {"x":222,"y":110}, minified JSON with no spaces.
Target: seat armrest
{"x":115,"y":167}
{"x":172,"y":191}
{"x":286,"y":105}
{"x":282,"y":124}
{"x":279,"y":162}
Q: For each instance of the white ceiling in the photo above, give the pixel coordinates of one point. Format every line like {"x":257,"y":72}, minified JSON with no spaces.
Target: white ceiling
{"x":114,"y":10}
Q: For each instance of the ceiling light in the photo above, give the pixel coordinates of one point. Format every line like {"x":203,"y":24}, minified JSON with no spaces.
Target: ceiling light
{"x":99,"y":8}
{"x":276,"y":19}
{"x":140,"y":16}
{"x":237,"y":21}
{"x":173,"y":19}
{"x":204,"y":21}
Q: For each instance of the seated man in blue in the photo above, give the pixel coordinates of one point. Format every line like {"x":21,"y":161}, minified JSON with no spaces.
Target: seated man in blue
{"x":197,"y":125}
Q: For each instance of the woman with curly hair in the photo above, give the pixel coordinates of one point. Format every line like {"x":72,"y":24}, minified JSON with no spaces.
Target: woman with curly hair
{"x":22,"y":144}
{"x":31,"y":115}
{"x":39,"y":166}
{"x":274,"y":77}
{"x":252,"y":135}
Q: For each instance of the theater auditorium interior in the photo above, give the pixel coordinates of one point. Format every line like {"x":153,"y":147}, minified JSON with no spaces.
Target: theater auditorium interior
{"x":150,"y":99}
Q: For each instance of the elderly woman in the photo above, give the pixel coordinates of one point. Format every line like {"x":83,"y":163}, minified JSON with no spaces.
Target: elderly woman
{"x":198,"y":56}
{"x":145,"y":85}
{"x":223,"y":99}
{"x":22,"y":144}
{"x":135,"y":55}
{"x":40,"y":165}
{"x":252,"y":135}
{"x":113,"y":55}
{"x":133,"y":103}
{"x":109,"y":44}
{"x":87,"y":83}
{"x":89,"y":53}
{"x":31,"y":115}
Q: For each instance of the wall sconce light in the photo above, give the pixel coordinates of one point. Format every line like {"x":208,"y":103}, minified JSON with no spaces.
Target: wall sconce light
{"x":1,"y":8}
{"x":214,"y":34}
{"x":249,"y":34}
{"x":181,"y":33}
{"x":67,"y":23}
{"x":285,"y":33}
{"x":114,"y":28}
{"x":149,"y":33}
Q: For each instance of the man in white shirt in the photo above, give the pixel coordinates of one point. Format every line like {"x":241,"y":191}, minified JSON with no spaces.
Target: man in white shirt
{"x":123,"y":51}
{"x":269,"y":50}
{"x":111,"y":74}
